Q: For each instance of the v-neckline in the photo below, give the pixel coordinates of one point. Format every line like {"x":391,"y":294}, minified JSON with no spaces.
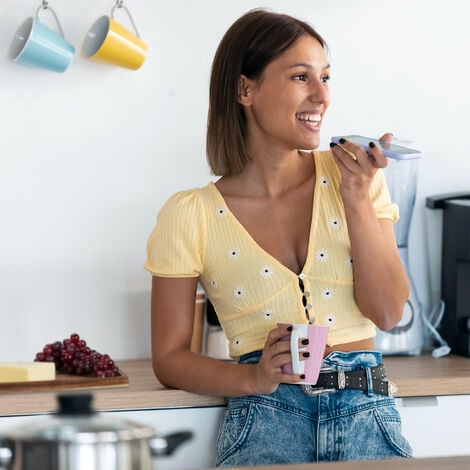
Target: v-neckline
{"x":246,"y":233}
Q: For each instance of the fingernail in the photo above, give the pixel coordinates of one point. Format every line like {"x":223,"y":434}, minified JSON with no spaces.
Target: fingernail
{"x":304,"y":341}
{"x":289,"y":328}
{"x":306,"y":354}
{"x":371,"y":145}
{"x":332,"y":144}
{"x":342,"y":141}
{"x":302,"y":376}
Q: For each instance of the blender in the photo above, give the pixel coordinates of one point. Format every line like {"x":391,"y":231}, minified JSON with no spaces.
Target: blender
{"x":407,"y":337}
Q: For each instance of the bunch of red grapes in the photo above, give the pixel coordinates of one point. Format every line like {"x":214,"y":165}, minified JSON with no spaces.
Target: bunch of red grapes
{"x":73,"y":356}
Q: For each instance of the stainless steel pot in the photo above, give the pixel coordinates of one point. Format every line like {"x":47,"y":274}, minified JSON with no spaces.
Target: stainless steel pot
{"x":77,"y":438}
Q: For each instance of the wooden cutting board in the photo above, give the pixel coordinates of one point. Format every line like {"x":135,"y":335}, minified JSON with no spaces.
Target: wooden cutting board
{"x":66,"y":382}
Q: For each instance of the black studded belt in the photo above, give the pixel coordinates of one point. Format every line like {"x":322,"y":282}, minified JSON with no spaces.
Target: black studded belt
{"x":329,"y":381}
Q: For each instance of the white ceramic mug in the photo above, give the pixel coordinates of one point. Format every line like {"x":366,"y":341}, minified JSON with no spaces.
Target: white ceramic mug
{"x":317,"y":336}
{"x":37,"y":45}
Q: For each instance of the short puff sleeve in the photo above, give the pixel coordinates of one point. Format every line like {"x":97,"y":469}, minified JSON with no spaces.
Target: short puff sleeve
{"x":176,"y":245}
{"x":380,"y":195}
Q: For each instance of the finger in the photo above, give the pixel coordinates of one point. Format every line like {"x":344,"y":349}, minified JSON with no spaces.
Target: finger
{"x":378,"y":159}
{"x":280,"y":348}
{"x":348,"y":155}
{"x":344,"y":148}
{"x":387,"y":137}
{"x":283,"y":345}
{"x":282,"y":353}
{"x":280,"y":360}
{"x":351,"y":154}
{"x":339,"y":162}
{"x":291,"y":378}
{"x":277,"y":334}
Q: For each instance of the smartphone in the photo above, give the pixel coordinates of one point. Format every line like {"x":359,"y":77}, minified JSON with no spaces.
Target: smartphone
{"x":389,"y":150}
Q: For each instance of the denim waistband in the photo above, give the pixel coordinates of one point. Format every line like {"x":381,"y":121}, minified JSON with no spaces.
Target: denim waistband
{"x":336,"y":360}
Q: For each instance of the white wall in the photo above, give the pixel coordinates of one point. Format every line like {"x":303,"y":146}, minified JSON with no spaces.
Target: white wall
{"x":89,"y":156}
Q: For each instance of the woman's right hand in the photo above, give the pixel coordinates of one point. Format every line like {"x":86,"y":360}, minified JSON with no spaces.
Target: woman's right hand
{"x":176,"y":366}
{"x":276,"y":353}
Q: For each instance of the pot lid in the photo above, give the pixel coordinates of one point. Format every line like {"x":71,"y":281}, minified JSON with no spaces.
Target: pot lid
{"x":77,"y":422}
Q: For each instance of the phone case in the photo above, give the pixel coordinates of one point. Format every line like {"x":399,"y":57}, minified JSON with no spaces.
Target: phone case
{"x":397,"y":152}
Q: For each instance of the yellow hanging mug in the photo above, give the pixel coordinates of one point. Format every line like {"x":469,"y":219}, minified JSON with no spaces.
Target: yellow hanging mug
{"x":108,"y":41}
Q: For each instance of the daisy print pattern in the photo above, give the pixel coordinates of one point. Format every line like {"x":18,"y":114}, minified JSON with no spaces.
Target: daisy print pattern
{"x":349,"y":261}
{"x":213,"y":283}
{"x":329,"y":319}
{"x":236,"y":342}
{"x":321,"y":255}
{"x":266,"y":271}
{"x":327,"y":293}
{"x":233,"y":253}
{"x":335,"y":222}
{"x":324,"y":181}
{"x":268,"y":314}
{"x":221,"y":212}
{"x":239,"y":292}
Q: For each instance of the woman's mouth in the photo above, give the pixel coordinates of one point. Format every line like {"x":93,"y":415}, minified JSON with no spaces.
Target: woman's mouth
{"x":311,"y":120}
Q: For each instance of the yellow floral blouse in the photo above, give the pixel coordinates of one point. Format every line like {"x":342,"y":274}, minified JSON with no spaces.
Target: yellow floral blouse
{"x":196,"y":235}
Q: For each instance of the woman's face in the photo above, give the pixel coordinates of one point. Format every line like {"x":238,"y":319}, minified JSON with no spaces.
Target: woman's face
{"x":288,"y":102}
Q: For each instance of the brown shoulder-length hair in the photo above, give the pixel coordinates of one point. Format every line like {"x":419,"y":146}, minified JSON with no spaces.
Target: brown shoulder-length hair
{"x":248,"y":46}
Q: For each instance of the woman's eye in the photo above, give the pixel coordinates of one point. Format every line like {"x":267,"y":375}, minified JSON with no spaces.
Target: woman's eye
{"x":300,"y":77}
{"x":325,"y":79}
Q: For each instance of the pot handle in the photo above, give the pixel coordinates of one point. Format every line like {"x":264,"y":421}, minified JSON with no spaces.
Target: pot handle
{"x":6,"y":454}
{"x":166,"y":445}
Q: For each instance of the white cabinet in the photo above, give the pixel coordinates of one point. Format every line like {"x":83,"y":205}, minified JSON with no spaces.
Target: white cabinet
{"x":436,"y":426}
{"x":197,"y":453}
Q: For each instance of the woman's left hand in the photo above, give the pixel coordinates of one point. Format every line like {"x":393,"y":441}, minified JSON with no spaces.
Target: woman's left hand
{"x":380,"y":282}
{"x":358,"y":166}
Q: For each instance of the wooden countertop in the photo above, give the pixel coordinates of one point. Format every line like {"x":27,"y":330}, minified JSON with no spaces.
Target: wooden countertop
{"x":424,"y":375}
{"x":436,"y":463}
{"x":414,"y":376}
{"x":144,"y":392}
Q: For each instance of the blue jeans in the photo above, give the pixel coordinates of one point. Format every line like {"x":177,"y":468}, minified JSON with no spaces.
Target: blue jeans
{"x":287,"y":426}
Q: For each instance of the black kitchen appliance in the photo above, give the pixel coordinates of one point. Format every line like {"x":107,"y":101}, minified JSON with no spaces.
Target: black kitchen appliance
{"x":455,"y":270}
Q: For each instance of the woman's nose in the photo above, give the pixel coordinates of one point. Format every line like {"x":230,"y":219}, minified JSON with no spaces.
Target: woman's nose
{"x":319,"y":92}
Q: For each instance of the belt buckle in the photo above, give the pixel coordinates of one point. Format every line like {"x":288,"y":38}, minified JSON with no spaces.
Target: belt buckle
{"x":392,"y":389}
{"x":341,"y":379}
{"x":312,"y":391}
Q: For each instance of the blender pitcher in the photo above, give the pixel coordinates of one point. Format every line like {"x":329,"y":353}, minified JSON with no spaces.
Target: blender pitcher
{"x":407,"y":337}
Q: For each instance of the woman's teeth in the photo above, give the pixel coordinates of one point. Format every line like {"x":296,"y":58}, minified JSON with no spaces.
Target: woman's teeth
{"x":315,"y":118}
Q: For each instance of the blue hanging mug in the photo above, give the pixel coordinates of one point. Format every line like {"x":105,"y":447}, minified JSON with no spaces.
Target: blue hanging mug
{"x":37,"y":45}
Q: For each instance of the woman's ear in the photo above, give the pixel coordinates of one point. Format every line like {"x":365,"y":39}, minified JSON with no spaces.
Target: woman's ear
{"x":245,"y":87}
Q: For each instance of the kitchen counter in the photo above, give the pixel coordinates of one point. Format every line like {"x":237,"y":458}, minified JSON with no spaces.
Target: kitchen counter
{"x":439,"y":463}
{"x":414,"y":376}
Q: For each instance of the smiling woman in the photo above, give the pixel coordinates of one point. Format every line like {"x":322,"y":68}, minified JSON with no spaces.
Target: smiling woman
{"x":236,"y":62}
{"x":299,"y":81}
{"x":272,"y":243}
